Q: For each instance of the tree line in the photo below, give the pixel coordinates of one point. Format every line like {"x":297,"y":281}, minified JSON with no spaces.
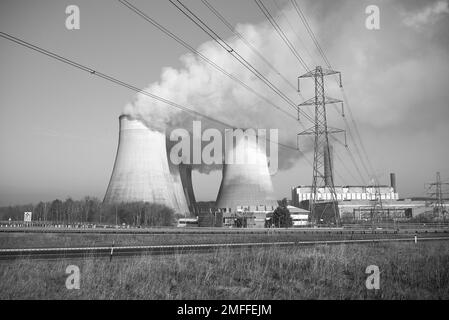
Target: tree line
{"x":92,"y":210}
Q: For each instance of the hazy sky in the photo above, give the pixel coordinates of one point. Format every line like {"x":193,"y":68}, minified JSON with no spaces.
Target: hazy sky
{"x":59,"y":125}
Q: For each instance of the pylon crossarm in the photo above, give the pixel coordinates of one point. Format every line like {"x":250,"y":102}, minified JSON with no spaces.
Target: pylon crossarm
{"x":334,"y":130}
{"x":309,"y":131}
{"x":312,"y":101}
{"x":330,"y":100}
{"x":314,"y":73}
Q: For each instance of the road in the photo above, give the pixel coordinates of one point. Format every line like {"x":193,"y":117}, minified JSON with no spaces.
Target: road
{"x":126,"y":251}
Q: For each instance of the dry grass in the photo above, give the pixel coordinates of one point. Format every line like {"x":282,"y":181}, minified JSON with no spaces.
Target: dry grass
{"x":408,"y":271}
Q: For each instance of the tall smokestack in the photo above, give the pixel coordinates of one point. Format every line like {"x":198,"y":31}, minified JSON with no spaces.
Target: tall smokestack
{"x":141,"y":169}
{"x":328,"y":164}
{"x":393,"y":181}
{"x":247,"y":184}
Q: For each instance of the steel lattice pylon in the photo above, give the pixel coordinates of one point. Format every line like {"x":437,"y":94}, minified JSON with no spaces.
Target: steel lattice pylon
{"x":322,"y":180}
{"x":438,"y":195}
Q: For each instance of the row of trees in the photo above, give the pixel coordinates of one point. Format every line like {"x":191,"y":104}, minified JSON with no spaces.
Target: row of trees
{"x":92,"y":210}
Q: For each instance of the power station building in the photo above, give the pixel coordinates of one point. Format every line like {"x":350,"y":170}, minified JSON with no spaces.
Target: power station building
{"x":302,"y":193}
{"x":357,"y":202}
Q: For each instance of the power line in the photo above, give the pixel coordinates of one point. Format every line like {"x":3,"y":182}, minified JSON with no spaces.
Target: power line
{"x":186,"y":45}
{"x":356,"y":129}
{"x":123,"y":84}
{"x":200,"y":55}
{"x":281,"y":33}
{"x":323,"y":55}
{"x":310,"y":31}
{"x":293,"y":30}
{"x":370,"y":171}
{"x":351,"y":156}
{"x":246,"y":42}
{"x":203,"y":26}
{"x":340,"y":160}
{"x":211,"y":33}
{"x":182,"y":42}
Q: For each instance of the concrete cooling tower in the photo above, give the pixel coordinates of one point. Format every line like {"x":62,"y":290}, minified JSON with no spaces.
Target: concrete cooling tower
{"x":186,"y":181}
{"x":248,"y":184}
{"x":142,"y":171}
{"x":182,"y":186}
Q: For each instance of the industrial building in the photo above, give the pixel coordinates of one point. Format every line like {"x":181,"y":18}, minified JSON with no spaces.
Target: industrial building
{"x":300,"y":217}
{"x":357,"y":202}
{"x":302,"y":193}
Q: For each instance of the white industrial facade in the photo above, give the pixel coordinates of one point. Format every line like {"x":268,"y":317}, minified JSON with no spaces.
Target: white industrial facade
{"x":303,"y":193}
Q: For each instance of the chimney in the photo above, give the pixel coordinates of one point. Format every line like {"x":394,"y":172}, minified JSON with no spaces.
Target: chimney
{"x":248,"y":183}
{"x":142,"y":171}
{"x":393,"y":182}
{"x":328,"y":164}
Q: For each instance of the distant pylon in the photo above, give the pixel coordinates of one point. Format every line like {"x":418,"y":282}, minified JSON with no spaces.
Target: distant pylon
{"x":322,"y":164}
{"x":435,"y":190}
{"x":377,"y":208}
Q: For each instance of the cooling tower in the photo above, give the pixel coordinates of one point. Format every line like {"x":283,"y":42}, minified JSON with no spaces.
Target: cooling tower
{"x":186,"y":180}
{"x":247,"y":184}
{"x":182,"y":186}
{"x":142,"y":171}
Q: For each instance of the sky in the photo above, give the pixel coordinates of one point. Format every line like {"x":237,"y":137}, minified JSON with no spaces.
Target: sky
{"x":59,"y":125}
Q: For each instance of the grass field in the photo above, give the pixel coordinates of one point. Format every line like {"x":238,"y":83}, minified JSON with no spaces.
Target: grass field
{"x":408,"y":271}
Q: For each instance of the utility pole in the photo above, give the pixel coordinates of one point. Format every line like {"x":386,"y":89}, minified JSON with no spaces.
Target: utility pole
{"x":322,"y":165}
{"x":435,"y":190}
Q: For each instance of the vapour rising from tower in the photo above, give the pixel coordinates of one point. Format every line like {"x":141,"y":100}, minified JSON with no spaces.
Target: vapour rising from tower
{"x":142,"y":171}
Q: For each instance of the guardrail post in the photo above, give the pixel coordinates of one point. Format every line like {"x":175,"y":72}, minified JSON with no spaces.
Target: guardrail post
{"x":112,"y":252}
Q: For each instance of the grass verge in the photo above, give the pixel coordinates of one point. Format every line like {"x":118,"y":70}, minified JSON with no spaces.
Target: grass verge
{"x":408,"y":271}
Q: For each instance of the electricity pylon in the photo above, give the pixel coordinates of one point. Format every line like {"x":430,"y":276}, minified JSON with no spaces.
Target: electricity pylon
{"x":322,"y":179}
{"x":438,"y":194}
{"x":377,"y":210}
